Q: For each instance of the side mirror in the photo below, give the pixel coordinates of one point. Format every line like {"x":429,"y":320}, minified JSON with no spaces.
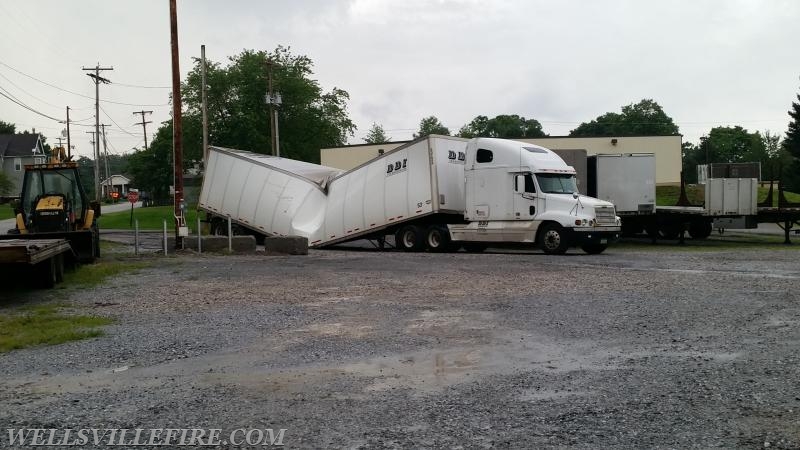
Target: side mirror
{"x":96,"y":207}
{"x":519,"y":183}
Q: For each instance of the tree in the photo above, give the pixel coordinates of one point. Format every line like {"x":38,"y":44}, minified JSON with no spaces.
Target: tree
{"x":502,"y":126}
{"x":431,"y":125}
{"x":151,"y":169}
{"x":792,"y":146}
{"x":376,"y":135}
{"x":7,"y":128}
{"x":308,"y":118}
{"x":645,"y":118}
{"x":735,"y":144}
{"x":5,"y":184}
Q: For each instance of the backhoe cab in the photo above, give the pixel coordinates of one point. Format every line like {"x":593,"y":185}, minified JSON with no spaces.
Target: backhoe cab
{"x":53,"y":204}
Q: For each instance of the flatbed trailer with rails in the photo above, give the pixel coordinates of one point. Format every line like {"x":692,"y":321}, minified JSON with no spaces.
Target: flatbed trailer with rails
{"x":39,"y":260}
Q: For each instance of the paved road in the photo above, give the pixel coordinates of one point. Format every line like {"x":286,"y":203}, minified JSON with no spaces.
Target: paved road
{"x":9,"y":224}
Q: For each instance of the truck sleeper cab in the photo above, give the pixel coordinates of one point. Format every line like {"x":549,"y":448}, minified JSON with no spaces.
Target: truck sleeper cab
{"x":519,"y":192}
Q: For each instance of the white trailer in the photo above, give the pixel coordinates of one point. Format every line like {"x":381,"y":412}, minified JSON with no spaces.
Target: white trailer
{"x":436,"y":193}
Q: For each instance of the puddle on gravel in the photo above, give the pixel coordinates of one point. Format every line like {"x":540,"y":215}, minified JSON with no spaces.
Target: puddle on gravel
{"x":436,"y":369}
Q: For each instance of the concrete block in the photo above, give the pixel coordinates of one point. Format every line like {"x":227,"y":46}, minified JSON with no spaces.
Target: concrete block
{"x":216,"y":244}
{"x":288,"y":245}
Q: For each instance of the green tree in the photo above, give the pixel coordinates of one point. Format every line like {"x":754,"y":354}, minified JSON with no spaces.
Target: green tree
{"x":151,"y":169}
{"x":5,"y":184}
{"x":376,"y":135}
{"x":507,"y":126}
{"x":7,"y":128}
{"x":431,"y":125}
{"x":308,"y":118}
{"x":730,"y":144}
{"x":645,"y":118}
{"x":791,"y":144}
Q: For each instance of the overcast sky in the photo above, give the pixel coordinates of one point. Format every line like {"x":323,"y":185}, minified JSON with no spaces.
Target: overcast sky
{"x":708,"y":63}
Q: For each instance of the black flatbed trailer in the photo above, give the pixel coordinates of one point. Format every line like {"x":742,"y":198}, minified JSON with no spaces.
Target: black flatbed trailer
{"x":41,"y":261}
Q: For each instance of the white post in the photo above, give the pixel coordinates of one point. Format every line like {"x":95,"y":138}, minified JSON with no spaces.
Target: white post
{"x":136,"y":238}
{"x":230,"y":235}
{"x":199,"y":237}
{"x":165,"y":237}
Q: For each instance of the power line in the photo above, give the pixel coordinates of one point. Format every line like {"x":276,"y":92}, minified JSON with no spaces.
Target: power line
{"x":115,"y":123}
{"x":141,"y":87}
{"x":29,"y":108}
{"x":76,"y":93}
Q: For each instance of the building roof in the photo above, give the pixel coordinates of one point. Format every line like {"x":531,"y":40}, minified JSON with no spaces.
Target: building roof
{"x":116,"y":179}
{"x":18,"y":144}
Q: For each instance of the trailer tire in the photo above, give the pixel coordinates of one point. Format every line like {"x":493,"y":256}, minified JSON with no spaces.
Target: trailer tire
{"x":553,"y":239}
{"x":410,"y":238}
{"x":594,"y":249}
{"x":700,"y":229}
{"x":669,"y":231}
{"x":437,"y":238}
{"x":59,"y":267}
{"x":44,"y":274}
{"x":475,"y":247}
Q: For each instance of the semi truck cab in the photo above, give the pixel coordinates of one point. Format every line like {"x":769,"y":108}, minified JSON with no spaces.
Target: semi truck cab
{"x":519,"y":192}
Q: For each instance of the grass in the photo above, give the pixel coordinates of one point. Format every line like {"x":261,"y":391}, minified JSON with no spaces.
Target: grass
{"x":94,"y":274}
{"x":151,"y":218}
{"x":668,"y":195}
{"x":46,"y":325}
{"x":6,"y":212}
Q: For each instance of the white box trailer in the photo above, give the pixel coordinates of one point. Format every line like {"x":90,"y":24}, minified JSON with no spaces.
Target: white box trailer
{"x":628,"y":180}
{"x":437,"y":192}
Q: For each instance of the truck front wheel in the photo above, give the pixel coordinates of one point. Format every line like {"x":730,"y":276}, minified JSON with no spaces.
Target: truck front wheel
{"x":553,"y":240}
{"x":410,"y":238}
{"x":437,"y":238}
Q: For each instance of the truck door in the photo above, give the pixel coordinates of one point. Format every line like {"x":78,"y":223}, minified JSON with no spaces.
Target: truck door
{"x":525,"y":197}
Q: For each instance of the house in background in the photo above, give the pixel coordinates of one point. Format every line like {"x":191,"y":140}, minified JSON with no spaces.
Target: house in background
{"x":17,"y":150}
{"x":115,"y":183}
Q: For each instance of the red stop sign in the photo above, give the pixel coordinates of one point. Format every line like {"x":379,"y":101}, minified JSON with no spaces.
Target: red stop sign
{"x":133,"y":197}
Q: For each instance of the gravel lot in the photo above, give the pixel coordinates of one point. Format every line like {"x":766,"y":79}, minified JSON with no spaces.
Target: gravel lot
{"x":638,"y":347}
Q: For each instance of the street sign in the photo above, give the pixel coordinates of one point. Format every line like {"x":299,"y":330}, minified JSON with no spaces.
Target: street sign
{"x":133,"y":196}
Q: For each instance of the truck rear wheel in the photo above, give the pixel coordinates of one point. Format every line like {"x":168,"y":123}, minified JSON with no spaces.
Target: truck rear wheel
{"x":437,"y":238}
{"x":553,"y":240}
{"x":594,"y":249}
{"x":700,"y":229}
{"x":410,"y":238}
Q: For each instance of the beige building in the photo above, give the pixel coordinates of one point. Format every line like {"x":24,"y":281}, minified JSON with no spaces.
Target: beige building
{"x":667,"y":150}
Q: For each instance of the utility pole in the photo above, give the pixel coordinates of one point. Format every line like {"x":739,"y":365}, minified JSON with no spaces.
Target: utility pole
{"x":144,"y":124}
{"x":269,"y":102}
{"x":97,"y":183}
{"x":273,"y":99}
{"x":204,"y":101}
{"x":69,"y":147}
{"x":105,"y":151}
{"x":97,"y":80}
{"x":177,"y":129}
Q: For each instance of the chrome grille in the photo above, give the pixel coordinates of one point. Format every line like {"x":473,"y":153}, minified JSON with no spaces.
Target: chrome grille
{"x":605,"y":215}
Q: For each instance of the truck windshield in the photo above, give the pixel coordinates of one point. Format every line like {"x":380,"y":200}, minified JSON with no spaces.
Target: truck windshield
{"x":554,"y":183}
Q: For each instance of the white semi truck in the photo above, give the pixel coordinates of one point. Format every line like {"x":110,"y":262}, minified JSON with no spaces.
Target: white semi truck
{"x":437,"y":193}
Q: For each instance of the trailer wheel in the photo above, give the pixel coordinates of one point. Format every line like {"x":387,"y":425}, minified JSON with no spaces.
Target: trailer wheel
{"x":553,"y":240}
{"x":594,"y":249}
{"x":669,"y":231}
{"x":44,"y":274}
{"x":437,"y":239}
{"x":700,"y":229}
{"x":59,"y":267}
{"x":410,"y":238}
{"x":475,"y":247}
